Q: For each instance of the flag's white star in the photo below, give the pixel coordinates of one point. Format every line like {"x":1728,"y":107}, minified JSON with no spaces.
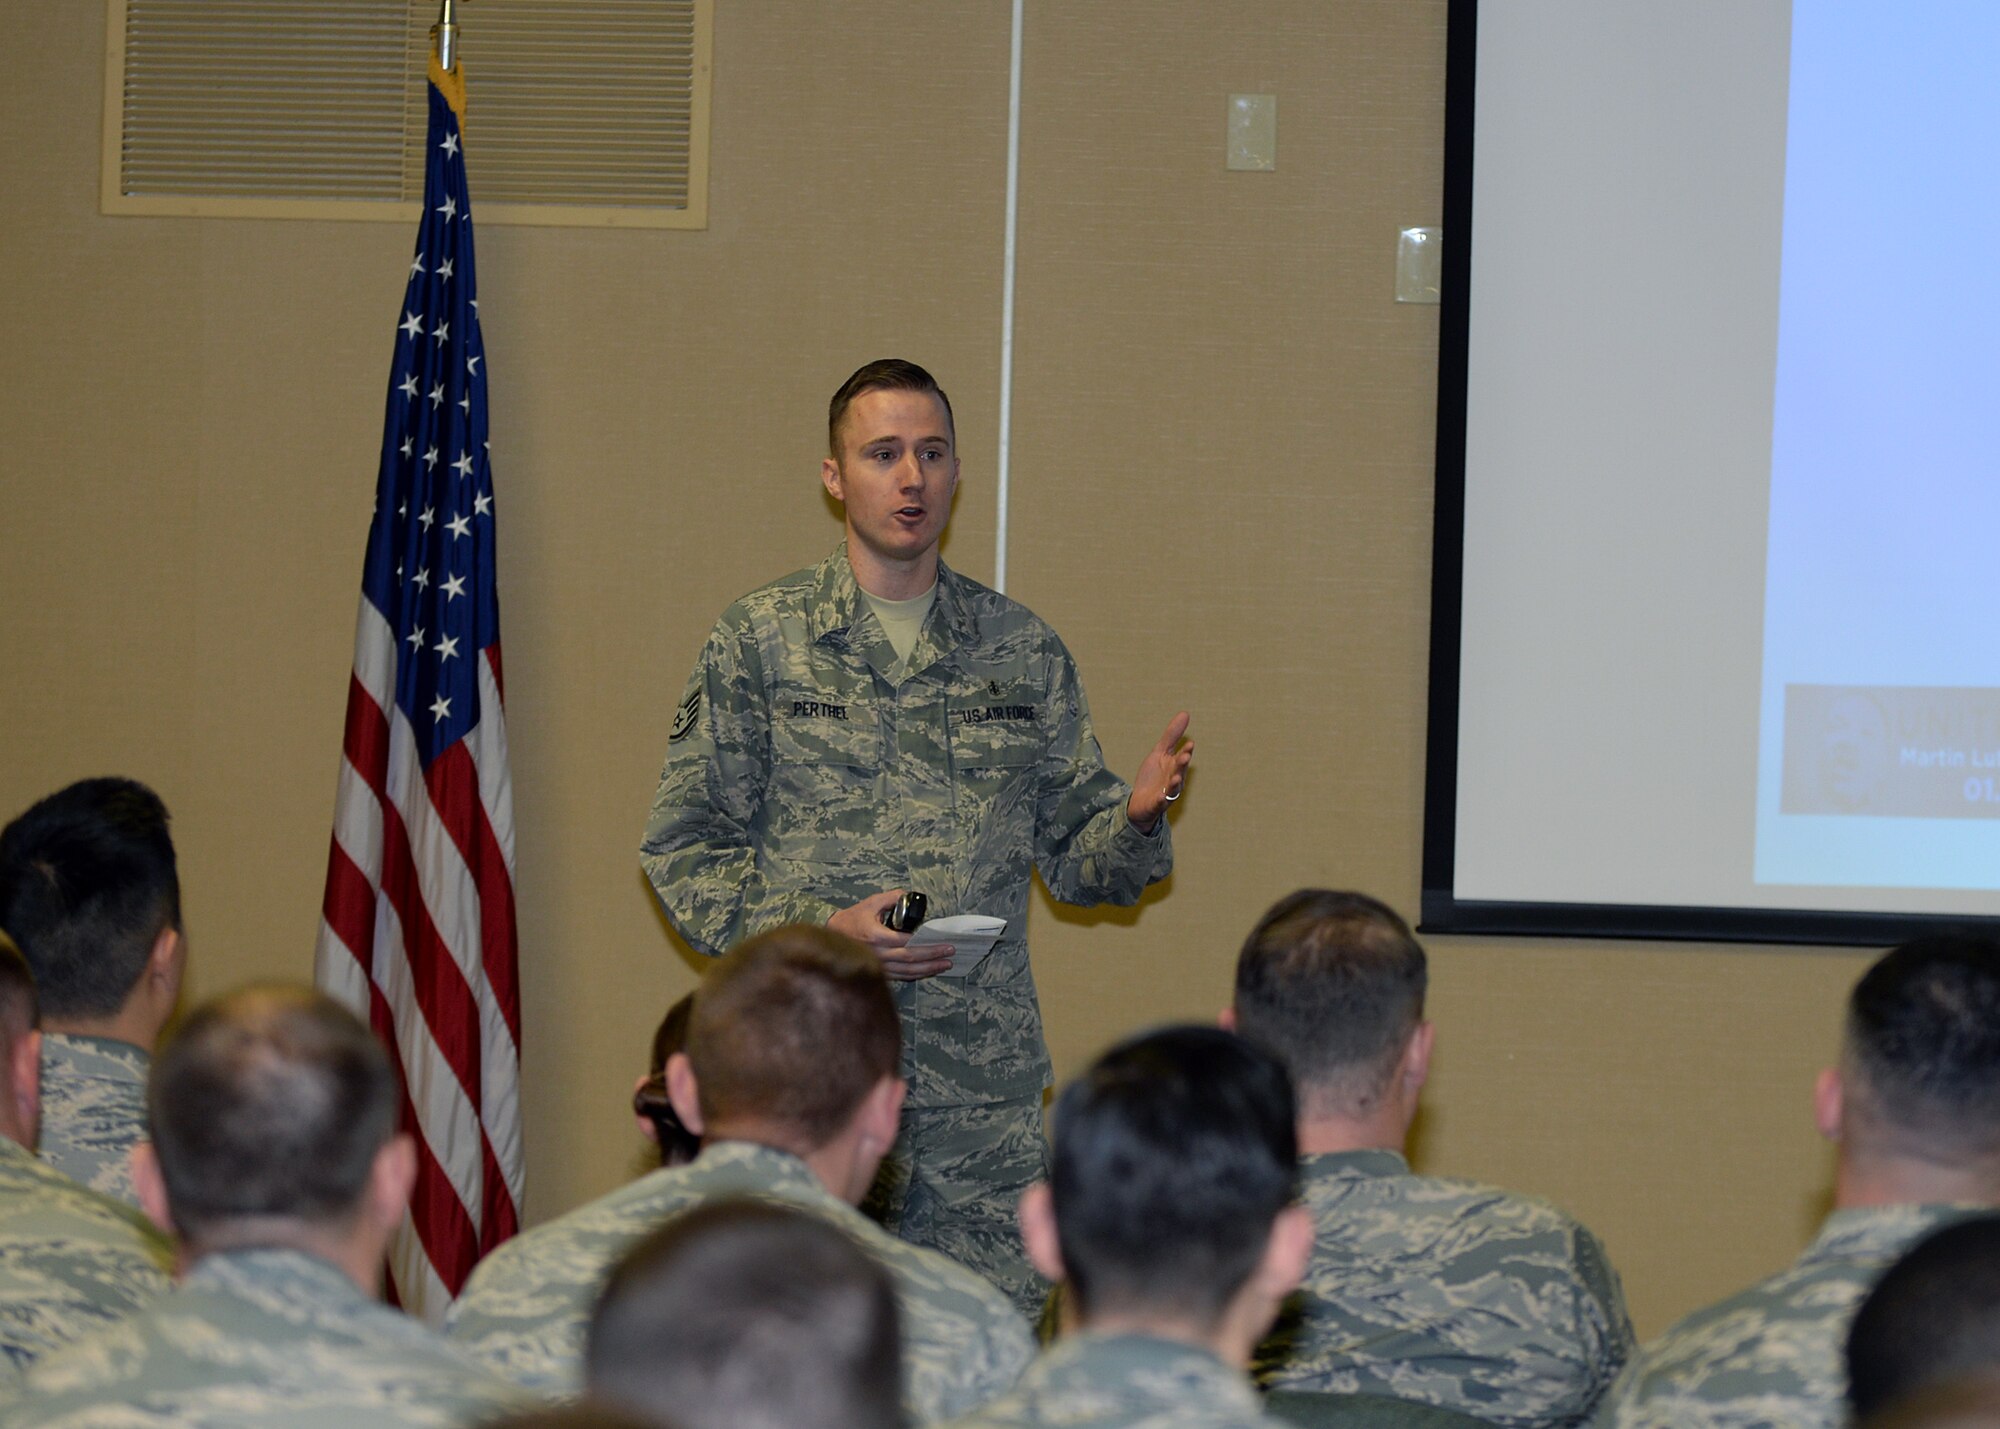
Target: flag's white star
{"x":407,"y":445}
{"x":458,"y":526}
{"x":475,"y":305}
{"x":449,"y":208}
{"x":409,"y":388}
{"x":450,"y":146}
{"x":416,"y":638}
{"x":465,"y":404}
{"x":444,"y":271}
{"x":411,"y":324}
{"x":422,"y":578}
{"x":441,"y":709}
{"x":429,"y":516}
{"x":481,"y":504}
{"x":418,"y":266}
{"x":442,"y":333}
{"x":472,"y":364}
{"x":454,"y":587}
{"x":437,"y":395}
{"x":430,"y":462}
{"x":404,"y":509}
{"x":399,"y":570}
{"x":463,"y":466}
{"x":447,"y":647}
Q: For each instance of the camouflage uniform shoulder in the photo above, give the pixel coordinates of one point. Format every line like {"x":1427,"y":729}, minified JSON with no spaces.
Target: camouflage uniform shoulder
{"x":93,"y":1110}
{"x":1773,"y":1352}
{"x":1092,"y":1381}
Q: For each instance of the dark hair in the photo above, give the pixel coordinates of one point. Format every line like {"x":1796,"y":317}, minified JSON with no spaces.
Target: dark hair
{"x":793,"y":1028}
{"x":883,"y":374}
{"x":748,"y":1315}
{"x":1332,"y":984}
{"x":1933,"y":1317}
{"x":581,"y":1414}
{"x":87,"y":883}
{"x":271,"y":1102}
{"x":678,"y":1145}
{"x":1173,"y":1155}
{"x":20,"y":1012}
{"x":1923,"y":1040}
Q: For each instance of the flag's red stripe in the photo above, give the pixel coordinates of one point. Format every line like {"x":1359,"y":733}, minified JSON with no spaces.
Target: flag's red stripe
{"x":365,"y":740}
{"x":442,"y":995}
{"x":453,"y":781}
{"x":499,"y":679}
{"x":350,"y":907}
{"x":441,"y":1221}
{"x":500,"y":1218}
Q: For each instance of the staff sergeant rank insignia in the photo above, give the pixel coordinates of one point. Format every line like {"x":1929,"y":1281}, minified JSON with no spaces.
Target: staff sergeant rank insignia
{"x":684,"y":717}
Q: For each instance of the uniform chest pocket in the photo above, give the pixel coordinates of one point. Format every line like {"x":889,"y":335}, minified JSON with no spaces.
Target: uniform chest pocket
{"x":991,"y":751}
{"x":827,"y":736}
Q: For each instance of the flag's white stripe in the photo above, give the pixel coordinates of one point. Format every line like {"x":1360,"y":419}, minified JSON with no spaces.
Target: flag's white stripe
{"x":375,"y":654}
{"x":488,"y":743}
{"x":444,"y":1112}
{"x":419,"y":1286}
{"x":499,"y":1097}
{"x":357,"y":823}
{"x":337,"y":972}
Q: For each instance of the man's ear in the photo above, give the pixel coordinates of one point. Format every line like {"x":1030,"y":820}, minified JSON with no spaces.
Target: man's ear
{"x":829,"y":475}
{"x":685,"y":1093}
{"x":1829,"y":1103}
{"x":1038,"y":1231}
{"x":24,"y":1069}
{"x":881,"y":1115}
{"x":151,"y":1185}
{"x":391,"y":1179}
{"x":1226,"y":1019}
{"x":1416,"y":1068}
{"x":1286,"y":1253}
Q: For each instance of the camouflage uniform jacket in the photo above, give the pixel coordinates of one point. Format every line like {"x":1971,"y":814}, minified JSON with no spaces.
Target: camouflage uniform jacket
{"x":271,"y":1338}
{"x":1448,"y":1292}
{"x":1093,"y":1381}
{"x":801,"y":778}
{"x":526,"y":1310}
{"x":1773,"y":1354}
{"x":71,"y":1261}
{"x":93,"y":1110}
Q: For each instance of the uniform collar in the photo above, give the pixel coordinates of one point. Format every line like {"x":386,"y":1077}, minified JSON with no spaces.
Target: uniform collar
{"x":1372,"y":1161}
{"x":1172,"y":1372}
{"x":836,"y":609}
{"x":102,"y":1056}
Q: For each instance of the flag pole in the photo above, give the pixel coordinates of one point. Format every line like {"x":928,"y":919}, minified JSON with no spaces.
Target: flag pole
{"x":447,"y":36}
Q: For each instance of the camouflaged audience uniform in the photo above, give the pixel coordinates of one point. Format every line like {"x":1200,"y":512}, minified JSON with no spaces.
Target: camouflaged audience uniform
{"x":93,"y":1110}
{"x":1774,"y":1354}
{"x":802,"y":776}
{"x":527,"y":1309}
{"x":1094,"y":1381}
{"x":1447,"y":1292}
{"x":262,"y":1339}
{"x":71,"y":1261}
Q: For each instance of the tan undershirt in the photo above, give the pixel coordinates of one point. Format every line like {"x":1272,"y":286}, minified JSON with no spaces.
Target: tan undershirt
{"x":902,"y":621}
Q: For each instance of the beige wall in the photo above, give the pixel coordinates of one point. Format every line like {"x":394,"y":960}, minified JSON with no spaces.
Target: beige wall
{"x":1221,"y":498}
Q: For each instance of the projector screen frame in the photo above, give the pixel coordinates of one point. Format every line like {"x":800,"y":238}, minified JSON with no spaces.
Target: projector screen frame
{"x":1442,"y":911}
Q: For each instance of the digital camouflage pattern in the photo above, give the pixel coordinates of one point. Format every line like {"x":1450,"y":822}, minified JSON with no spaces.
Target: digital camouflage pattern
{"x":71,"y":1261}
{"x":1774,"y":1354}
{"x":93,"y":1110}
{"x":802,"y":777}
{"x":527,"y":1309}
{"x":1450,"y":1293}
{"x":262,"y":1339}
{"x":1092,"y":1381}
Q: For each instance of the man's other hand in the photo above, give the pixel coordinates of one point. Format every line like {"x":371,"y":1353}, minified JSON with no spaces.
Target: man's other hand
{"x":863,"y":923}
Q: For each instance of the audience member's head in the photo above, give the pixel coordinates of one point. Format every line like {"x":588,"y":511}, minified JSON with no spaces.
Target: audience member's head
{"x":1169,"y":1206}
{"x":1965,"y":1404}
{"x":659,"y":1123}
{"x":1915,"y":1102}
{"x":20,"y":1048}
{"x":274,"y":1122}
{"x":1934,"y":1317}
{"x":794,"y":1043}
{"x":1332,"y":984}
{"x":747,"y":1315}
{"x":90,"y":892}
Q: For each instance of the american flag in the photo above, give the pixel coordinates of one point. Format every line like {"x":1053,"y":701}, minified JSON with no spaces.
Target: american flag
{"x":418,"y":928}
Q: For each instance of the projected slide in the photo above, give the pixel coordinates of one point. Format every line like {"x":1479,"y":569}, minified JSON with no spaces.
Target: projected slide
{"x":1879,"y":740}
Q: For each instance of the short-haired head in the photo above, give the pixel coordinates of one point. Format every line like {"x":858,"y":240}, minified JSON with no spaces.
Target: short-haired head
{"x":1921,"y":1053}
{"x":791,"y":1031}
{"x":1174,"y":1154}
{"x":677,"y":1144}
{"x":748,"y":1315}
{"x":271,"y":1104}
{"x":1932,"y":1318}
{"x":1333,"y":985}
{"x":884,"y":374}
{"x":87,"y":884}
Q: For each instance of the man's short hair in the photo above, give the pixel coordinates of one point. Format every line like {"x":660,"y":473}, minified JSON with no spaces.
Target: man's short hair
{"x":1174,"y":1154}
{"x":891,"y":374}
{"x":271,"y":1102}
{"x":87,"y":883}
{"x":20,"y":1012}
{"x":748,"y":1315}
{"x":793,"y":1029}
{"x":1933,"y":1317}
{"x":1332,"y":984}
{"x":1922,"y":1048}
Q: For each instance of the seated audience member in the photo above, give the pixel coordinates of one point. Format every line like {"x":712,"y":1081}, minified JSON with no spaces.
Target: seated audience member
{"x":89,"y":889}
{"x":1420,"y":1288}
{"x":658,"y":1122}
{"x":748,"y":1315}
{"x":71,"y":1261}
{"x":275,"y":1155}
{"x":1914,"y":1112}
{"x":1168,"y":1214}
{"x":790,"y":1079}
{"x":1932,"y":1318}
